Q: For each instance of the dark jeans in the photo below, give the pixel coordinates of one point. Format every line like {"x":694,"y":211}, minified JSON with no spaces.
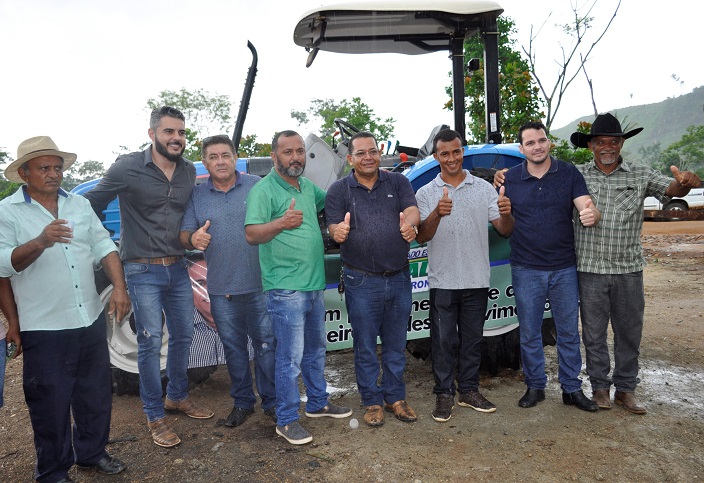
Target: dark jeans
{"x":618,"y":298}
{"x":379,"y":307}
{"x":67,"y":372}
{"x":456,"y":330}
{"x":237,"y":316}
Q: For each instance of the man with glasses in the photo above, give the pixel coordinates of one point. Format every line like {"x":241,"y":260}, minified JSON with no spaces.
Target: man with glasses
{"x":282,"y":218}
{"x":214,"y":223}
{"x":373,"y":215}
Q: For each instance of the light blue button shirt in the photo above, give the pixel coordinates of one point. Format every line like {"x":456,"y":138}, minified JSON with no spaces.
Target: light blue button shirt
{"x":57,"y":291}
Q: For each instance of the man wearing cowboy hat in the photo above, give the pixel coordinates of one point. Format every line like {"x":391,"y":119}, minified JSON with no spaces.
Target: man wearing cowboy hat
{"x":50,"y":241}
{"x":610,"y":258}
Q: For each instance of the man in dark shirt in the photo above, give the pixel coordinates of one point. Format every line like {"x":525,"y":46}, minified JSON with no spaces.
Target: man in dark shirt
{"x":153,"y":187}
{"x":543,"y":192}
{"x":373,"y":215}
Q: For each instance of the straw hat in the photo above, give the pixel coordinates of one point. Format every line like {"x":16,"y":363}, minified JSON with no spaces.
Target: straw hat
{"x":33,"y":148}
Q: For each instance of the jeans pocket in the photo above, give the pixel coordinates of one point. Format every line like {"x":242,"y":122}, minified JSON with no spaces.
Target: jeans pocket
{"x":353,"y":279}
{"x":133,"y":269}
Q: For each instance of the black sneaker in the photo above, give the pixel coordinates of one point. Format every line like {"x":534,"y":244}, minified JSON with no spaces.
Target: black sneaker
{"x":294,"y":433}
{"x":237,"y":416}
{"x":474,"y":400}
{"x":331,"y":411}
{"x":271,"y":412}
{"x":443,"y":407}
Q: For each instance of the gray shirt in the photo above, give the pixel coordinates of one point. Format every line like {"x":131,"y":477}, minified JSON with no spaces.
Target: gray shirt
{"x":233,"y":264}
{"x":458,"y":254}
{"x":151,"y":206}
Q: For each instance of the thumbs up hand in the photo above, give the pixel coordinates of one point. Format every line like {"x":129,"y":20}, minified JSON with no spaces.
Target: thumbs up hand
{"x":200,"y":239}
{"x":444,"y":207}
{"x":292,"y":218}
{"x":342,"y":229}
{"x":408,"y":232}
{"x":686,"y":178}
{"x":588,"y":216}
{"x":504,"y":203}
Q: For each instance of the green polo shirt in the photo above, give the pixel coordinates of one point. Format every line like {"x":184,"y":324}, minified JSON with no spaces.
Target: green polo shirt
{"x":293,"y":259}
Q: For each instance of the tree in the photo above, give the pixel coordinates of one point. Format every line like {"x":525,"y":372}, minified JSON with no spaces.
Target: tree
{"x":574,"y":58}
{"x":687,"y":153}
{"x":6,"y":187}
{"x":81,"y":172}
{"x":249,"y":147}
{"x":520,"y":102}
{"x":206,"y":114}
{"x":355,"y":112}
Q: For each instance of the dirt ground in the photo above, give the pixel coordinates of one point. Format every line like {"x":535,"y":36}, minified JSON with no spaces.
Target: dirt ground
{"x":551,"y":442}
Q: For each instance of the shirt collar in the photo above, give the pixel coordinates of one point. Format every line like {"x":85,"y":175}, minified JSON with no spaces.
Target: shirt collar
{"x":21,"y":195}
{"x":468,"y":179}
{"x":211,"y":186}
{"x":622,"y":166}
{"x":526,"y":175}
{"x":285,"y":184}
{"x":352,"y":181}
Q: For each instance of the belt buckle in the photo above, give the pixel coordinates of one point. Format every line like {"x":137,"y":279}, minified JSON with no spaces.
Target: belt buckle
{"x":163,"y":262}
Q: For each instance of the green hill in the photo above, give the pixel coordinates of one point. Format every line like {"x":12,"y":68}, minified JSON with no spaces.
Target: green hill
{"x":664,"y":122}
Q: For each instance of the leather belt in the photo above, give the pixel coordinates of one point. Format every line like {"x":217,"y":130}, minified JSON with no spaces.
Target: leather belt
{"x":166,"y":261}
{"x":387,"y":273}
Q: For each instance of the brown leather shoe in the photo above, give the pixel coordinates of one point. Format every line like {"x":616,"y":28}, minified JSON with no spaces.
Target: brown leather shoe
{"x":402,"y":411}
{"x":601,"y":398}
{"x":629,"y":402}
{"x":374,"y":416}
{"x":162,"y":435}
{"x":188,"y":408}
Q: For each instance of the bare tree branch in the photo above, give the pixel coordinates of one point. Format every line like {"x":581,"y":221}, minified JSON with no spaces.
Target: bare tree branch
{"x":591,"y":87}
{"x":578,"y":30}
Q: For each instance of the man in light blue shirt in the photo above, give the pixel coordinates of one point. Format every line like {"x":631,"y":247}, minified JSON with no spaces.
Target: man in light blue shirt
{"x":50,"y":242}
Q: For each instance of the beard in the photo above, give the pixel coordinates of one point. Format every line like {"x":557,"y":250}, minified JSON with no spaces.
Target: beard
{"x":291,"y":171}
{"x":163,"y":150}
{"x":610,"y":159}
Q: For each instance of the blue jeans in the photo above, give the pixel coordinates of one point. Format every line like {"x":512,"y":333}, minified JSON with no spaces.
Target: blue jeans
{"x":379,"y":306}
{"x":456,"y":331}
{"x":153,"y":289}
{"x":237,"y":316}
{"x":619,"y":298}
{"x":298,"y":319}
{"x":532,"y":288}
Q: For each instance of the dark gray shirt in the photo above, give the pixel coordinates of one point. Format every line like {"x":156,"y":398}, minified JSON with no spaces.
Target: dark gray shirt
{"x":151,"y":206}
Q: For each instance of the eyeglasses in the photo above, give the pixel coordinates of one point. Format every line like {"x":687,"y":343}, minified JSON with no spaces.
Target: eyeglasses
{"x":361,"y":154}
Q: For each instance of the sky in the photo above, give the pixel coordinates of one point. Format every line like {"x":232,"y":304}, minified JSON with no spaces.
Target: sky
{"x":81,"y":71}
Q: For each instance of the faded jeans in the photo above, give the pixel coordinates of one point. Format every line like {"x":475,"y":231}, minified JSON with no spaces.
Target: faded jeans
{"x":298,"y":319}
{"x":155,"y":289}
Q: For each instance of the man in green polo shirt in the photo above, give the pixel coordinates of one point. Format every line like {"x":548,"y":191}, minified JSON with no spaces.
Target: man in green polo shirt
{"x":282,"y":218}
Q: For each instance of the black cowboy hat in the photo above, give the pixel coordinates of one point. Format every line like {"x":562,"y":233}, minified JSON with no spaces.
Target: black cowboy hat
{"x":604,"y":125}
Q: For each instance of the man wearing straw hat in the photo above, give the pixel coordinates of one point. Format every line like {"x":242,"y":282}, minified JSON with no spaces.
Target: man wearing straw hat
{"x":610,"y":258}
{"x":50,"y":241}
